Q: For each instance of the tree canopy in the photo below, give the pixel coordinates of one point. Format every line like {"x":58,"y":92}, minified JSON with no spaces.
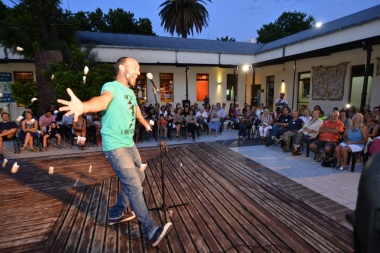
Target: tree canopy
{"x":182,"y":16}
{"x":287,"y":24}
{"x":115,"y":21}
{"x":47,"y":35}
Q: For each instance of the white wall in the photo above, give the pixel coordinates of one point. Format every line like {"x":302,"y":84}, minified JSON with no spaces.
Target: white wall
{"x":217,"y":93}
{"x":12,"y":108}
{"x":285,"y":72}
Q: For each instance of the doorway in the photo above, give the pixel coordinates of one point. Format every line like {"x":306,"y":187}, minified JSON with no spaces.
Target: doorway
{"x":303,"y":90}
{"x":255,"y":94}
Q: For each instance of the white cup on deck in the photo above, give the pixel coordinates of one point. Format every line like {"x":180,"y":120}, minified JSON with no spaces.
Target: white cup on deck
{"x":15,"y":168}
{"x":143,"y":166}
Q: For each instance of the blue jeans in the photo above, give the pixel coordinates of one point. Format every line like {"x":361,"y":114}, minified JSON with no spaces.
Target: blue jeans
{"x":126,"y":163}
{"x":278,"y":131}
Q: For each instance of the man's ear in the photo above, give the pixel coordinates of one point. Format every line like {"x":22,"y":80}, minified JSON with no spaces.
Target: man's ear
{"x":122,"y":68}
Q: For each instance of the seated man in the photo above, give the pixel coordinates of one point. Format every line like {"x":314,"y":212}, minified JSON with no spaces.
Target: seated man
{"x":45,"y":121}
{"x":8,"y":129}
{"x":295,"y":124}
{"x":281,"y":125}
{"x":329,"y":136}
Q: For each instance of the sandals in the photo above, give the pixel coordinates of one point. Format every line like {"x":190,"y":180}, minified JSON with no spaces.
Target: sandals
{"x":44,"y":149}
{"x":23,"y":148}
{"x":34,"y":149}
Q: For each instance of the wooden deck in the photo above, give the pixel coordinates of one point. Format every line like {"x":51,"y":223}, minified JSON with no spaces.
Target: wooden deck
{"x":231,"y":207}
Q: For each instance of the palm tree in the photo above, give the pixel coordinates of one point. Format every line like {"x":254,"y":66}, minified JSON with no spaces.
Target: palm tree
{"x":226,"y":39}
{"x":182,"y":16}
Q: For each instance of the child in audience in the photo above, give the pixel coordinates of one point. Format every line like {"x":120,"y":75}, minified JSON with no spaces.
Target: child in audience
{"x":52,"y":131}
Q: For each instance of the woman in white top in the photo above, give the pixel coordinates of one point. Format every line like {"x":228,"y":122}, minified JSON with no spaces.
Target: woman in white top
{"x":309,"y":130}
{"x":265,"y":124}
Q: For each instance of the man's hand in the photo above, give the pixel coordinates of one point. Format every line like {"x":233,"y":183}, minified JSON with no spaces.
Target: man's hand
{"x":75,"y":106}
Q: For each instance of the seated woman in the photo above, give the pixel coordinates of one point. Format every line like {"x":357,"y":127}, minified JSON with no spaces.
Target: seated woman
{"x":343,"y":116}
{"x":373,"y":128}
{"x":354,"y":139}
{"x":265,"y":124}
{"x":29,"y":126}
{"x":245,"y":123}
{"x":52,"y":131}
{"x":308,"y":131}
{"x":214,"y":123}
{"x":79,"y":130}
{"x":178,"y":122}
{"x":192,"y":125}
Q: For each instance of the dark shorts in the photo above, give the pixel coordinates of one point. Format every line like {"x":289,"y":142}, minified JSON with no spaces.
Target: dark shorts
{"x":320,"y":144}
{"x":5,"y":138}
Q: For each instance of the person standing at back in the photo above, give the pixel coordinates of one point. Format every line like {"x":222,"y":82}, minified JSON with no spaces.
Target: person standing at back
{"x":281,"y":102}
{"x":120,"y":111}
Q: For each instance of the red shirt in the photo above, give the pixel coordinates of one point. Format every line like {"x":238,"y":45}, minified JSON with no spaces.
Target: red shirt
{"x":326,"y":136}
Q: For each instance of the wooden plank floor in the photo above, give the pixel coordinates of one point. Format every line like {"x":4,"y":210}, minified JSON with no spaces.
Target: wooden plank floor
{"x":230,"y":207}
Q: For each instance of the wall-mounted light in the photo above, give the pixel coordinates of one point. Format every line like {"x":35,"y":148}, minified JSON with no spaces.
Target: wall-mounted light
{"x":282,"y":89}
{"x":219,"y":84}
{"x":19,"y":49}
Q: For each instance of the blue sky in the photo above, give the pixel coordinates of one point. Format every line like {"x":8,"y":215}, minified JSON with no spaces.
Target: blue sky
{"x":239,"y":19}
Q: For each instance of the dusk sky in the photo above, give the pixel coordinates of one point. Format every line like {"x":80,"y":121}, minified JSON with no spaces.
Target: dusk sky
{"x":239,"y":19}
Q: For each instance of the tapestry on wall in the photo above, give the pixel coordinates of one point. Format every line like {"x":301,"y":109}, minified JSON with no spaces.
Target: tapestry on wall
{"x":328,"y":82}
{"x":378,"y":67}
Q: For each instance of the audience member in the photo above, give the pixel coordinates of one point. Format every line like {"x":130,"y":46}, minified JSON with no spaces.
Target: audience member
{"x":223,"y":115}
{"x":322,"y":115}
{"x":45,"y":120}
{"x":305,"y":115}
{"x":281,"y":102}
{"x":245,"y":123}
{"x":354,"y":139}
{"x":294,"y":125}
{"x":202,"y":119}
{"x":214,"y":123}
{"x":281,"y":125}
{"x":52,"y":131}
{"x":98,"y":128}
{"x":329,"y":137}
{"x":30,"y":127}
{"x":308,"y":131}
{"x":178,"y":122}
{"x":192,"y":125}
{"x":265,"y":124}
{"x":80,"y":130}
{"x":373,"y":128}
{"x":162,"y":126}
{"x":8,"y":130}
{"x":343,"y":116}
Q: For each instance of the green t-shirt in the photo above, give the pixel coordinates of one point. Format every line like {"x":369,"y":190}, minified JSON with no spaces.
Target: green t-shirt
{"x":119,"y":119}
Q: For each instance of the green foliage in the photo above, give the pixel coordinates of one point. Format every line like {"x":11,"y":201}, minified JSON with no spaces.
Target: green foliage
{"x":182,"y":16}
{"x":287,"y":24}
{"x":226,"y":39}
{"x":34,"y":25}
{"x":70,"y":75}
{"x":24,"y":92}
